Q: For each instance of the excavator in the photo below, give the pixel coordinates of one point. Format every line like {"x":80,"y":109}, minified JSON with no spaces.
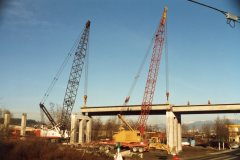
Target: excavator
{"x":61,"y":130}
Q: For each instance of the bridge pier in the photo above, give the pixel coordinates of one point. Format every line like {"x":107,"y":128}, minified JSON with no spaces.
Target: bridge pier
{"x":6,"y":121}
{"x":23,"y":125}
{"x":81,"y":127}
{"x":174,"y":131}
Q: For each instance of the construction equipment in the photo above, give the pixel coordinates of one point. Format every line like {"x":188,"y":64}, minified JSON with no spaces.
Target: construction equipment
{"x":127,"y":136}
{"x":80,"y":52}
{"x":231,"y":18}
{"x":152,"y":74}
{"x":74,"y":78}
{"x":155,"y":143}
{"x":134,"y":138}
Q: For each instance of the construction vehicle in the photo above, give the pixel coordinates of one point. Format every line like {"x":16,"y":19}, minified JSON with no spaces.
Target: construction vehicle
{"x":128,"y":138}
{"x":61,"y":130}
{"x":129,"y":135}
{"x":155,"y":143}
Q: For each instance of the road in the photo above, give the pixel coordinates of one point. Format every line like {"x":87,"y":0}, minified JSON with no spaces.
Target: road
{"x":196,"y":154}
{"x":225,"y":155}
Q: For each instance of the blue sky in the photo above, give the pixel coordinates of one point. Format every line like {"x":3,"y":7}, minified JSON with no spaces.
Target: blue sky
{"x":36,"y":37}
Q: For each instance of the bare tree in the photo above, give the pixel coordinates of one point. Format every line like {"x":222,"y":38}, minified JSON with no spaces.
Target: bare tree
{"x":184,"y":129}
{"x":220,"y":127}
{"x":206,"y":129}
{"x":111,"y":126}
{"x":97,"y":127}
{"x":55,"y":111}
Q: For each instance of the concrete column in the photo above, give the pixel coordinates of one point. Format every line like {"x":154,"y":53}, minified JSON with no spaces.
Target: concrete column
{"x":81,"y":122}
{"x":73,"y":136}
{"x":81,"y":133}
{"x":6,"y":120}
{"x":167,"y":127}
{"x":179,"y":146}
{"x":175,"y":134}
{"x":89,"y":131}
{"x":23,"y":124}
{"x":170,"y":129}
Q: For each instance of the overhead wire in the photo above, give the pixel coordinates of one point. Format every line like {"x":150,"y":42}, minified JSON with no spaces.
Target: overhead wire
{"x":231,"y":19}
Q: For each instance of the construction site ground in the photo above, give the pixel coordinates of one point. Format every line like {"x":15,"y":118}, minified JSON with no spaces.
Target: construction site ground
{"x":38,"y":149}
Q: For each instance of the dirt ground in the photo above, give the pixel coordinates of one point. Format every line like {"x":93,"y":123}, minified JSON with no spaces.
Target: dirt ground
{"x":191,"y":152}
{"x":42,"y":150}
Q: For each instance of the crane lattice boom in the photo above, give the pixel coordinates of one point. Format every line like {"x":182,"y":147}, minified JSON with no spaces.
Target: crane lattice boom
{"x":152,"y":74}
{"x":74,"y":78}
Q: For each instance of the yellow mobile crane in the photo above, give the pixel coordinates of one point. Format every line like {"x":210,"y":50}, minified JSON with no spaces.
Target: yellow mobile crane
{"x":132,"y":139}
{"x":127,"y":136}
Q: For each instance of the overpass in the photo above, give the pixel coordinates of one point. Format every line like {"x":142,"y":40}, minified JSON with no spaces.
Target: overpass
{"x":173,"y":118}
{"x":160,"y":109}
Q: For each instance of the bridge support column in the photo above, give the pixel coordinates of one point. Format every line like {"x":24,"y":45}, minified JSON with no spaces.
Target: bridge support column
{"x":89,"y":130}
{"x":179,"y":128}
{"x":73,"y":136}
{"x":173,"y":129}
{"x":169,"y":129}
{"x":6,"y":120}
{"x":81,"y":133}
{"x":23,"y":124}
{"x":175,"y":134}
{"x":80,"y":123}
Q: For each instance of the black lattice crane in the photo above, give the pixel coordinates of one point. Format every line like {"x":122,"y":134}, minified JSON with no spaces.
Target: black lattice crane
{"x":80,"y":53}
{"x":74,"y":78}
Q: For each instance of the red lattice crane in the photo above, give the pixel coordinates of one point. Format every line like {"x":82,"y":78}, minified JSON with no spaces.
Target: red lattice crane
{"x":152,"y":73}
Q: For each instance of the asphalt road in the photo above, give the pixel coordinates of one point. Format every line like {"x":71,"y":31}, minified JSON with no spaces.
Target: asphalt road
{"x":233,"y":154}
{"x":225,"y":155}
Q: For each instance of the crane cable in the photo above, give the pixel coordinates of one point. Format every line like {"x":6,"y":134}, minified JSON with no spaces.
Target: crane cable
{"x":166,"y":63}
{"x":136,"y":77}
{"x":60,"y":70}
{"x":56,"y":77}
{"x":139,"y":71}
{"x":86,"y":76}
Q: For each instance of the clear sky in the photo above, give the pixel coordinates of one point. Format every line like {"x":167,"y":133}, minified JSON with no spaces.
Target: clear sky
{"x":35,"y":37}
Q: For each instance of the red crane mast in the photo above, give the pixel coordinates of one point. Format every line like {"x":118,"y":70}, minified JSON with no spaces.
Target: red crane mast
{"x":152,"y":73}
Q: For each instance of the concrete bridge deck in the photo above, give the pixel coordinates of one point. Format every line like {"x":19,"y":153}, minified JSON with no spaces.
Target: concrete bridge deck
{"x":160,"y":109}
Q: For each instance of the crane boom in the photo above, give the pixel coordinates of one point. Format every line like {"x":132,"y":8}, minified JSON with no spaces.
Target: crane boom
{"x":152,"y":73}
{"x":44,"y":109}
{"x":125,"y":122}
{"x":74,"y":78}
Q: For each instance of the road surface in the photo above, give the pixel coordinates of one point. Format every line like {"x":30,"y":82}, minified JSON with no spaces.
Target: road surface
{"x":233,"y":154}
